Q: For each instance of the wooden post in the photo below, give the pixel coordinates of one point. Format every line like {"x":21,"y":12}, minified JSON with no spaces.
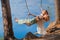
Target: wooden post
{"x":7,"y":21}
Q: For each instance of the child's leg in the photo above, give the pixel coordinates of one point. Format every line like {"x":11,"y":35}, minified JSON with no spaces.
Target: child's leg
{"x":38,"y":30}
{"x":21,"y":21}
{"x":43,"y":31}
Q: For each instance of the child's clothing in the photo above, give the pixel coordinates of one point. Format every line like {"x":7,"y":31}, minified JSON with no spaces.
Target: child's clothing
{"x":40,"y":28}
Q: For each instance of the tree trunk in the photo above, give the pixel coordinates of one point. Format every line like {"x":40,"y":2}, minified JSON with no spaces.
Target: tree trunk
{"x":56,"y":24}
{"x":7,"y":21}
{"x":57,"y":7}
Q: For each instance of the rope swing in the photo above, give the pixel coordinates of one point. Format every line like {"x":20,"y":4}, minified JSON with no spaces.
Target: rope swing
{"x":29,"y":11}
{"x":28,"y":16}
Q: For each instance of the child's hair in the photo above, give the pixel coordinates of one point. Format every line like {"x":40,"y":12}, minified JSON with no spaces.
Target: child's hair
{"x":45,"y":12}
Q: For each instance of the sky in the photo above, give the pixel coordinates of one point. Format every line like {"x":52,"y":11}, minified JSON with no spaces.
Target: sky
{"x":19,"y":10}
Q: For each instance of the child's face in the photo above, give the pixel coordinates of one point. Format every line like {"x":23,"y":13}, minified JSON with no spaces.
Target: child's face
{"x":44,"y":12}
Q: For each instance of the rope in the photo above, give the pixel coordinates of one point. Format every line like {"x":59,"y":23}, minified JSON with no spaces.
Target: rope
{"x":29,"y":11}
{"x":41,"y":5}
{"x":28,"y":16}
{"x":27,"y":6}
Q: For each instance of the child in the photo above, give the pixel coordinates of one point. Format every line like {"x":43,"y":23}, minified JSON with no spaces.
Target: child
{"x":39,"y":20}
